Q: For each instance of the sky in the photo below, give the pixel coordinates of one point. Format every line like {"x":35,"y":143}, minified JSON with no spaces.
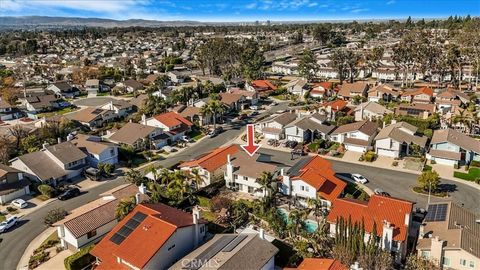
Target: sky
{"x":242,"y":10}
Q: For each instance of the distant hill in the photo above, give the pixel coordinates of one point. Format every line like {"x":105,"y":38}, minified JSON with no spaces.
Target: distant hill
{"x":26,"y":21}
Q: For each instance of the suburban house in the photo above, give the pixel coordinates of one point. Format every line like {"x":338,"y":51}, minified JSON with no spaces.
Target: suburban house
{"x":261,"y":87}
{"x":422,"y":95}
{"x":43,"y":103}
{"x":242,"y":171}
{"x":8,"y":112}
{"x":450,"y":147}
{"x":12,"y":184}
{"x":176,"y":76}
{"x":284,"y":67}
{"x":319,"y":264}
{"x":90,"y":222}
{"x":274,"y":127}
{"x":397,"y":139}
{"x":131,"y":86}
{"x":350,"y":90}
{"x":250,"y":97}
{"x":234,"y":102}
{"x":385,"y":73}
{"x":138,"y":102}
{"x":193,"y":114}
{"x":92,"y":86}
{"x":333,"y":108}
{"x":312,"y":178}
{"x":121,"y":108}
{"x":232,"y":251}
{"x":297,"y":87}
{"x":98,"y":151}
{"x":211,"y":165}
{"x":450,"y":100}
{"x":392,"y":227}
{"x":357,"y":136}
{"x":450,"y":237}
{"x":63,"y":89}
{"x":93,"y":117}
{"x":152,"y":236}
{"x":308,"y":128}
{"x":420,"y":110}
{"x":321,"y":90}
{"x":370,"y":110}
{"x":140,"y":137}
{"x":382,"y":92}
{"x":53,"y":164}
{"x":171,"y":122}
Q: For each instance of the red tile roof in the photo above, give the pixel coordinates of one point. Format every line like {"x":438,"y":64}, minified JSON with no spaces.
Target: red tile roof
{"x":337,"y":105}
{"x":172,"y":119}
{"x":144,"y":242}
{"x":319,"y":174}
{"x":319,"y":264}
{"x":378,"y":209}
{"x":263,"y":85}
{"x":424,"y":90}
{"x":213,"y":160}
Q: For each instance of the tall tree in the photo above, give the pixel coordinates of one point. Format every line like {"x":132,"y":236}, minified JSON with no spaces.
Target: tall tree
{"x":308,"y":66}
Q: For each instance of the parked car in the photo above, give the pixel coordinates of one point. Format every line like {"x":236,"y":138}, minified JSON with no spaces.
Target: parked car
{"x":186,"y":139}
{"x":7,"y":224}
{"x":254,"y":113}
{"x":380,"y":192}
{"x":70,"y":193}
{"x":359,"y":178}
{"x":242,"y":116}
{"x":271,"y":141}
{"x":291,"y":144}
{"x":274,"y":103}
{"x":20,"y":203}
{"x":255,"y":107}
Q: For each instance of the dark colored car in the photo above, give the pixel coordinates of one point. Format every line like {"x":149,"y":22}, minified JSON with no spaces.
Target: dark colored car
{"x":291,"y":144}
{"x":70,"y":193}
{"x":242,"y":116}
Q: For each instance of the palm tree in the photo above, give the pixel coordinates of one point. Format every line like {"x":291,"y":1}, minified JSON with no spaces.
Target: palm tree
{"x":265,"y":180}
{"x":196,"y":178}
{"x":154,"y":171}
{"x":124,"y":207}
{"x":316,"y":206}
{"x":213,"y":108}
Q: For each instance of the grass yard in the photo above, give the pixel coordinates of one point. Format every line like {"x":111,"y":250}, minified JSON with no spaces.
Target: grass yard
{"x":196,"y":135}
{"x":59,"y":112}
{"x":473,"y":173}
{"x":2,"y":218}
{"x":279,"y":97}
{"x":313,"y":147}
{"x":103,"y":94}
{"x":52,"y":237}
{"x":427,"y":168}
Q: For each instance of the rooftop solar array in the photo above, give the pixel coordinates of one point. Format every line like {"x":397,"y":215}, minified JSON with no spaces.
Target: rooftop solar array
{"x":437,"y":212}
{"x":234,"y":243}
{"x":128,"y":228}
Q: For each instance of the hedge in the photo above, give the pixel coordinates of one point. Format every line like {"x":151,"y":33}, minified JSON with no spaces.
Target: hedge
{"x":79,"y":260}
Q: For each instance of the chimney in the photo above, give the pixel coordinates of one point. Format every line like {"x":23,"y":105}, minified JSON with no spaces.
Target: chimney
{"x":421,"y":231}
{"x":196,"y":214}
{"x":196,"y":218}
{"x":407,"y":220}
{"x":261,"y":234}
{"x":355,"y":266}
{"x":282,"y":172}
{"x":142,"y":189}
{"x":229,"y":161}
{"x":137,"y":198}
{"x":144,"y":119}
{"x":59,"y":140}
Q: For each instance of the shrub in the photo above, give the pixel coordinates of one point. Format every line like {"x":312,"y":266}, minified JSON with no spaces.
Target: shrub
{"x":46,"y":190}
{"x":219,"y":202}
{"x":369,"y":156}
{"x":475,"y":163}
{"x":395,"y":163}
{"x":79,"y":260}
{"x":55,"y":215}
{"x":11,"y":209}
{"x":433,"y":162}
{"x":38,"y":259}
{"x":106,"y":168}
{"x":456,"y":167}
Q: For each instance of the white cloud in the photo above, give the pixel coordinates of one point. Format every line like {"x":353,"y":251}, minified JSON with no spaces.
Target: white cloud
{"x":391,"y":2}
{"x":359,"y":10}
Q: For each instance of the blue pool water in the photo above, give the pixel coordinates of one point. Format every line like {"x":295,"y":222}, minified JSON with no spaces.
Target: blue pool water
{"x":310,"y":225}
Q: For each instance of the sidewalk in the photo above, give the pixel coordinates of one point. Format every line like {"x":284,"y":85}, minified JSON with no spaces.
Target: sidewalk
{"x":23,"y":263}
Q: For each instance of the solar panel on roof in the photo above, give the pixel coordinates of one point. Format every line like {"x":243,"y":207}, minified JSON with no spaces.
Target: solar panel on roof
{"x":125,"y":231}
{"x":128,"y":228}
{"x":437,"y":212}
{"x":234,"y":243}
{"x":117,"y":239}
{"x":208,"y":253}
{"x":139,"y":216}
{"x":132,"y":224}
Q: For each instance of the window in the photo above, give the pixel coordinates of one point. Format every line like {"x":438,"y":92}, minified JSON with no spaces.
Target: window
{"x":463,"y":262}
{"x":91,"y":234}
{"x":446,"y":261}
{"x":235,"y":177}
{"x":250,"y":190}
{"x":306,"y":188}
{"x":425,"y":254}
{"x":302,"y":188}
{"x":472,"y":264}
{"x":202,"y":229}
{"x":245,"y":178}
{"x":112,"y":152}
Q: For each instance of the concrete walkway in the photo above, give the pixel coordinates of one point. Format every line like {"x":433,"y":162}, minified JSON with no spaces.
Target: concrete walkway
{"x":56,"y":262}
{"x":23,"y":264}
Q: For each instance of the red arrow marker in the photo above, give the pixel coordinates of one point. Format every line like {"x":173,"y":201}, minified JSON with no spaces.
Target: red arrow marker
{"x":250,"y":147}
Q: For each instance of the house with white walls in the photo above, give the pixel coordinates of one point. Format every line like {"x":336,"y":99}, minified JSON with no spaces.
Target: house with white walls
{"x":152,"y":236}
{"x":397,"y":139}
{"x":171,"y":122}
{"x":312,"y":178}
{"x":274,"y":127}
{"x":90,"y":222}
{"x":97,"y":150}
{"x":357,"y":136}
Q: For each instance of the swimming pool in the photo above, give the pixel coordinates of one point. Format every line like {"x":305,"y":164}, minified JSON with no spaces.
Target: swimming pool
{"x":310,"y":225}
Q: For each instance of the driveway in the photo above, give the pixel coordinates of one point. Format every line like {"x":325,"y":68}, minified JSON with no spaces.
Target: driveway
{"x":92,"y":101}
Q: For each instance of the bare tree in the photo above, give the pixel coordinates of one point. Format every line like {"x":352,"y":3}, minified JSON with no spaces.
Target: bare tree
{"x":6,"y":148}
{"x":19,"y":132}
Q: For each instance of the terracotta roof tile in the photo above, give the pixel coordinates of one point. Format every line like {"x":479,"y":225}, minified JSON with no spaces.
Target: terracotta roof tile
{"x":319,"y":264}
{"x":213,"y":160}
{"x":171,"y":119}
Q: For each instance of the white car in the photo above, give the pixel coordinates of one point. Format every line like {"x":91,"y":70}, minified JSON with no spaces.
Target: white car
{"x":19,"y":203}
{"x":7,"y":224}
{"x":359,"y":178}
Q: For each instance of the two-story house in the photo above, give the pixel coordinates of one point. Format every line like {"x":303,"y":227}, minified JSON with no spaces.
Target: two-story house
{"x":357,"y":137}
{"x":370,"y":111}
{"x":450,"y":147}
{"x":12,"y":184}
{"x":52,"y":164}
{"x":152,"y":236}
{"x":382,"y":92}
{"x":211,"y":165}
{"x":312,"y":178}
{"x":98,"y":151}
{"x":261,"y":87}
{"x":350,"y":90}
{"x":242,"y":171}
{"x":8,"y":112}
{"x":93,"y":117}
{"x":376,"y":215}
{"x":297,"y":87}
{"x":171,"y":122}
{"x":397,"y":139}
{"x":121,"y":108}
{"x":422,"y":95}
{"x":308,"y":128}
{"x":63,"y":89}
{"x":92,"y":86}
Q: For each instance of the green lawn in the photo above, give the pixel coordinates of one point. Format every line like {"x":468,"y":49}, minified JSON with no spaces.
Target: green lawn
{"x":103,"y":94}
{"x":312,"y":147}
{"x":2,"y":218}
{"x":473,"y":173}
{"x":427,"y":168}
{"x":196,"y":135}
{"x":279,"y":97}
{"x":59,"y":112}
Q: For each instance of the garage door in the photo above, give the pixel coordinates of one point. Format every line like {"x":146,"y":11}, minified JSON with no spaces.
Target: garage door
{"x":293,"y":138}
{"x":271,"y":136}
{"x":386,"y":153}
{"x":355,"y":148}
{"x":445,"y":161}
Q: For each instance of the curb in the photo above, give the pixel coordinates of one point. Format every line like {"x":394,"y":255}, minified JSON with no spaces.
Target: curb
{"x":23,"y":263}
